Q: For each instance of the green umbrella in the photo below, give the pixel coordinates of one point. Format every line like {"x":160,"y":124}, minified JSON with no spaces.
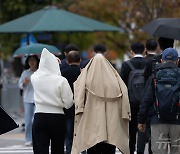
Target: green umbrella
{"x":53,"y":19}
{"x":35,"y":49}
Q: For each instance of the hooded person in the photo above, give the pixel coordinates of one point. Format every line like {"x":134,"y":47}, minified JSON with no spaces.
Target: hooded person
{"x":102,"y":110}
{"x":52,"y":93}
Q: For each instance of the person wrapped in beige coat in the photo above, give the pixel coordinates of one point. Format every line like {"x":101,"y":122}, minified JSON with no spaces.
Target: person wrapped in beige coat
{"x":101,"y":107}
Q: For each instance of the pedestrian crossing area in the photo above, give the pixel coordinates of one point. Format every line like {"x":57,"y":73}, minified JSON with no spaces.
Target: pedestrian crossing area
{"x":20,"y":149}
{"x":16,"y":149}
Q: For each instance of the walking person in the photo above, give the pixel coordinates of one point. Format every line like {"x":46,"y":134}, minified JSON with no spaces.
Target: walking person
{"x":102,"y":110}
{"x":144,"y":137}
{"x":31,"y":65}
{"x":163,"y":44}
{"x":71,"y":73}
{"x":52,"y":93}
{"x":151,"y":49}
{"x":161,"y":103}
{"x":138,"y":63}
{"x":70,"y":47}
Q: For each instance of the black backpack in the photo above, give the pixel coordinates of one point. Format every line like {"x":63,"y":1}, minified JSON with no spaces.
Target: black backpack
{"x":167,"y":93}
{"x":135,"y":84}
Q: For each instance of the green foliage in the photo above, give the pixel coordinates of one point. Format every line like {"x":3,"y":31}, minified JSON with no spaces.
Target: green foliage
{"x":121,"y":13}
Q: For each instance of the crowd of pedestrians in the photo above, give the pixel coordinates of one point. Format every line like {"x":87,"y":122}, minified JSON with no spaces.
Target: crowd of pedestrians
{"x":91,"y":108}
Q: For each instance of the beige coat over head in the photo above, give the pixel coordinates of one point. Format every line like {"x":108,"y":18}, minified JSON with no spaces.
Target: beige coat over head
{"x":102,"y":107}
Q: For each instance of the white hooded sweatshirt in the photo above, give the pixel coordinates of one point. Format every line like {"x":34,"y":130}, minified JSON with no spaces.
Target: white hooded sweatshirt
{"x":52,"y":92}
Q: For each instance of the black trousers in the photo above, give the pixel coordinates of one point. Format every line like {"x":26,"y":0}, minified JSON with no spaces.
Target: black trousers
{"x":48,"y":128}
{"x":133,"y":129}
{"x":102,"y":148}
{"x":143,"y":138}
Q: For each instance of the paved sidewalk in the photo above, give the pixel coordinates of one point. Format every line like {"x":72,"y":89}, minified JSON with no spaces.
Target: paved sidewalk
{"x":15,"y":139}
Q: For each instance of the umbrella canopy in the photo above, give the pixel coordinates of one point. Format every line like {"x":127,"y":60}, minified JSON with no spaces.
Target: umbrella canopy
{"x":164,"y":27}
{"x":35,"y":49}
{"x":6,"y":122}
{"x":53,"y":19}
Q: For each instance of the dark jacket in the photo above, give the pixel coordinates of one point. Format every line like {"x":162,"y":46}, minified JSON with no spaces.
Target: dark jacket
{"x":149,"y":66}
{"x":64,"y":64}
{"x":149,"y":57}
{"x":71,"y":73}
{"x":137,"y":62}
{"x":147,"y":108}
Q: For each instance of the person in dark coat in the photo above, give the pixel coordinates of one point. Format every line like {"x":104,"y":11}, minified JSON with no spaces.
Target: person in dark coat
{"x":143,"y":137}
{"x":163,"y":132}
{"x":71,"y":73}
{"x":138,"y":62}
{"x":151,"y":49}
{"x":72,"y":47}
{"x":163,"y":44}
{"x":68,"y":48}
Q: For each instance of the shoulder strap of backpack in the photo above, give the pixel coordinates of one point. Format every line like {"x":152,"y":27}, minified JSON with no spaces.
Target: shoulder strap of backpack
{"x":130,"y":65}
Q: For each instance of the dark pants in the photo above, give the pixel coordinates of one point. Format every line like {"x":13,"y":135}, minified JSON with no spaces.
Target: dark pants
{"x":102,"y":148}
{"x":133,"y":129}
{"x":141,"y":141}
{"x":143,"y":138}
{"x":48,"y":127}
{"x":69,"y":133}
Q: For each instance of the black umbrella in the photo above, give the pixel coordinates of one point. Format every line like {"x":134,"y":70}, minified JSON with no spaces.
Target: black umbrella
{"x":6,"y":122}
{"x":164,"y":27}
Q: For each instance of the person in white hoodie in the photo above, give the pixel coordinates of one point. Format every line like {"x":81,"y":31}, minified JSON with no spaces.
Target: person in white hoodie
{"x":52,"y":93}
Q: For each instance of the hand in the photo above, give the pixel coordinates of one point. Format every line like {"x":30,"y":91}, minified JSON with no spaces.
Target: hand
{"x":26,"y":82}
{"x":59,"y":61}
{"x":142,"y":127}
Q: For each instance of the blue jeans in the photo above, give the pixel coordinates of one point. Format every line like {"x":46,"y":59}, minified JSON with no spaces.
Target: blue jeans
{"x":69,"y":133}
{"x":29,"y":116}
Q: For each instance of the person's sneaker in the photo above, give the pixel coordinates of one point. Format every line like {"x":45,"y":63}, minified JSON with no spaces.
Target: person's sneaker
{"x":29,"y":143}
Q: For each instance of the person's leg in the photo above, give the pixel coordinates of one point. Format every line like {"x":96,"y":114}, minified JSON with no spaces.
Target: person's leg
{"x":102,"y":148}
{"x":96,"y":149}
{"x":133,"y":129}
{"x":141,"y":142}
{"x":29,"y":115}
{"x":57,"y":132}
{"x":41,"y":139}
{"x":143,"y":138}
{"x":107,"y":148}
{"x":174,"y":134}
{"x":148,"y":130}
{"x":159,"y":138}
{"x":69,"y":133}
{"x":149,"y":147}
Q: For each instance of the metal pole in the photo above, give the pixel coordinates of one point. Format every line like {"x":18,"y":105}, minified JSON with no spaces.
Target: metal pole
{"x":1,"y":75}
{"x":28,"y":38}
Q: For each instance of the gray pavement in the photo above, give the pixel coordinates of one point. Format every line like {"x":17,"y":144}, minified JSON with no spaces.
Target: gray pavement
{"x":13,"y":141}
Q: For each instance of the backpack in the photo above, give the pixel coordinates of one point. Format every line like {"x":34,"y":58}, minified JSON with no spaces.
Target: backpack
{"x":167,"y":93}
{"x":135,"y":84}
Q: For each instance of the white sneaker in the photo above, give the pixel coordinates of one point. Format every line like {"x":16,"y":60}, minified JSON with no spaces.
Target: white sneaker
{"x":29,"y":143}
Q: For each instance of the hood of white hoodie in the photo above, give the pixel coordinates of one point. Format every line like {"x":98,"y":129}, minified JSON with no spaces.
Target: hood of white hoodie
{"x":51,"y":91}
{"x":48,"y":64}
